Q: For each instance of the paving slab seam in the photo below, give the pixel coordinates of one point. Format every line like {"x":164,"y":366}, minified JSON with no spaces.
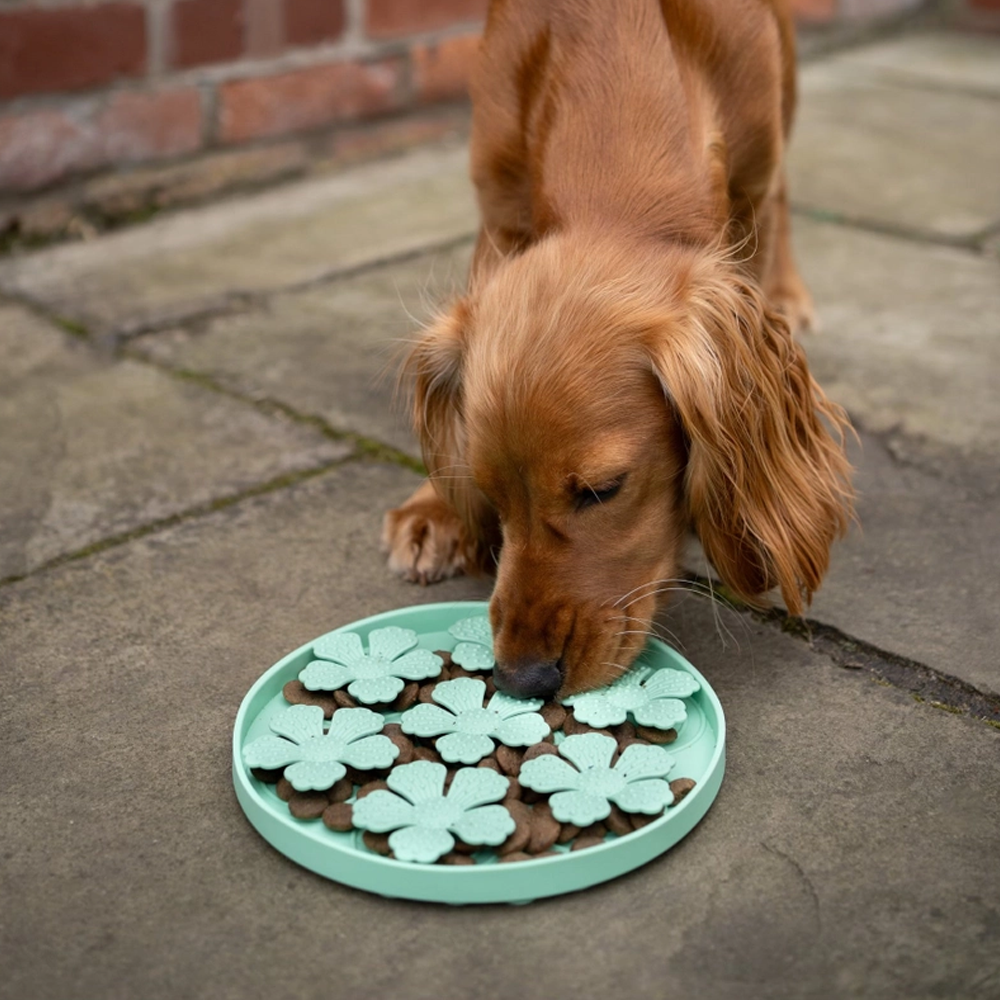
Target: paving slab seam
{"x":926,"y":685}
{"x":972,"y":243}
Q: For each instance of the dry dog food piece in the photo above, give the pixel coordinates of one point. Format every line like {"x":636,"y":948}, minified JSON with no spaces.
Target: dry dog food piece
{"x":284,"y":789}
{"x":296,"y":693}
{"x":377,"y":842}
{"x":623,"y":731}
{"x":341,"y":791}
{"x":372,"y":786}
{"x":680,"y":787}
{"x":446,"y":656}
{"x":639,"y":820}
{"x":632,"y":741}
{"x":518,"y":840}
{"x":308,"y":805}
{"x":538,"y":750}
{"x":406,"y":698}
{"x":426,"y":690}
{"x":582,"y":843}
{"x":490,"y":762}
{"x":509,"y":759}
{"x":597,"y":829}
{"x":571,"y":727}
{"x":618,"y":822}
{"x":344,"y":700}
{"x":530,"y":796}
{"x":454,"y":858}
{"x":339,"y":816}
{"x":427,"y":753}
{"x":461,"y":847}
{"x":516,"y":856}
{"x":570,"y":831}
{"x":659,"y":736}
{"x":491,"y":685}
{"x":516,"y":790}
{"x":269,"y":777}
{"x":545,"y":829}
{"x":554,"y":715}
{"x":406,"y":749}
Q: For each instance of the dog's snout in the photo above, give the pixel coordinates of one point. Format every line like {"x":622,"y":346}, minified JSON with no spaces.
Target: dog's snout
{"x":529,"y":679}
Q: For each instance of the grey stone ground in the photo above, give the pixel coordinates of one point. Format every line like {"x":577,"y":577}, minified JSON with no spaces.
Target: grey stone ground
{"x":196,"y":451}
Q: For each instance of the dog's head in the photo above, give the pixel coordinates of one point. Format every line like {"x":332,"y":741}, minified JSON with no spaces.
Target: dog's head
{"x":598,"y":399}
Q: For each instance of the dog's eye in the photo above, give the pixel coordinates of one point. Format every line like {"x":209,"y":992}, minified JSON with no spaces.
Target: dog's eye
{"x":590,"y":496}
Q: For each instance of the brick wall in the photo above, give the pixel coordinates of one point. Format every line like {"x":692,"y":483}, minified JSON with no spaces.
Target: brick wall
{"x":87,"y":86}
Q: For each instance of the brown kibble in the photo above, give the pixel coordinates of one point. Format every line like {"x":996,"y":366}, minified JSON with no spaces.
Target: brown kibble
{"x":372,"y":786}
{"x":515,"y":789}
{"x":545,"y":829}
{"x":635,"y":741}
{"x":509,"y":759}
{"x":308,"y":805}
{"x":456,"y":671}
{"x":454,"y":858}
{"x":296,"y":693}
{"x":427,"y":753}
{"x":639,"y":820}
{"x":623,"y":731}
{"x":341,"y":791}
{"x":399,"y":739}
{"x":618,"y":822}
{"x":344,"y":700}
{"x":530,"y":796}
{"x":284,"y":789}
{"x":426,"y":690}
{"x":680,"y":787}
{"x":539,"y":750}
{"x":445,"y":656}
{"x":269,"y":777}
{"x":377,"y":842}
{"x":339,"y":816}
{"x":659,"y":736}
{"x":568,"y":832}
{"x":406,"y":698}
{"x":461,"y":847}
{"x":491,"y":686}
{"x":490,"y":762}
{"x":582,"y":843}
{"x":518,"y":840}
{"x":516,"y":856}
{"x":554,"y":714}
{"x":597,"y":829}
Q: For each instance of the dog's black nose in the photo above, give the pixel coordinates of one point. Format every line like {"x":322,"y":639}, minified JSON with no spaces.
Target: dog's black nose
{"x":528,"y":679}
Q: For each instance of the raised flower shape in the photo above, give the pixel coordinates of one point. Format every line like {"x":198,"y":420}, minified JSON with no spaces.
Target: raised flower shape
{"x":584,"y":792}
{"x":466,"y":728}
{"x":650,"y":696}
{"x":425,"y":820}
{"x":373,"y":677}
{"x":313,"y":759}
{"x":475,"y":647}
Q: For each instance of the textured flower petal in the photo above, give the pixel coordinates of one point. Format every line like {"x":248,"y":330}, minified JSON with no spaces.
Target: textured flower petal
{"x":380,"y":811}
{"x":314,"y":775}
{"x":421,"y":844}
{"x":579,"y":808}
{"x":669,"y":683}
{"x":662,"y":713}
{"x":464,"y":748}
{"x":419,"y":781}
{"x":350,"y":724}
{"x":475,"y":786}
{"x":417,"y":665}
{"x":648,"y":796}
{"x":299,"y":723}
{"x":321,"y":675}
{"x":589,"y":750}
{"x":473,"y":657}
{"x":270,"y":752}
{"x":637,"y":762}
{"x":370,"y":752}
{"x":522,"y":730}
{"x":548,"y":774}
{"x":341,"y":647}
{"x":427,"y":720}
{"x":485,"y":825}
{"x":460,"y":695}
{"x":390,"y":642}
{"x":596,"y":708}
{"x":476,"y":629}
{"x":506,"y":706}
{"x":373,"y":690}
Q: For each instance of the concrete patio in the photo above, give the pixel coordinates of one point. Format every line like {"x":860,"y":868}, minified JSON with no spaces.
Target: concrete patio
{"x":197,"y":441}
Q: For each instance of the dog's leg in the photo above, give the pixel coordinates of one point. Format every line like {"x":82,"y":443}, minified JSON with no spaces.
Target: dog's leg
{"x":781,"y":281}
{"x":425,"y":539}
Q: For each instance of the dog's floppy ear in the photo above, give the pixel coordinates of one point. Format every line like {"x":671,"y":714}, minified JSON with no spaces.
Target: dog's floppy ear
{"x":767,"y":482}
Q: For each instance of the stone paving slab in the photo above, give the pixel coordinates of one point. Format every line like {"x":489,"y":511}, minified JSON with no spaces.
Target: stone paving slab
{"x":921,"y":159}
{"x":204,"y":258}
{"x":91,"y":448}
{"x":852,"y":851}
{"x":333,"y":351}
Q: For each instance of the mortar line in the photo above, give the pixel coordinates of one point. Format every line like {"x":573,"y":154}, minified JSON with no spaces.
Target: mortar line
{"x":926,"y":684}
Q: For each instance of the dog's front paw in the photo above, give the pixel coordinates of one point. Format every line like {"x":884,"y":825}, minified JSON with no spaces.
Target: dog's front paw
{"x":424,"y":540}
{"x":792,"y":299}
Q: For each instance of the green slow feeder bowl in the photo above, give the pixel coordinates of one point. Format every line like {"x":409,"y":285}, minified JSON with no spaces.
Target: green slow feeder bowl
{"x":699,"y":753}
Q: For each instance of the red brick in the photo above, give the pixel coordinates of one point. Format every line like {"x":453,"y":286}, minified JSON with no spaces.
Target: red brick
{"x":206,"y":31}
{"x":984,"y":4}
{"x":307,"y":98}
{"x":308,"y":22}
{"x":69,"y":48}
{"x":41,"y":147}
{"x":265,"y":32}
{"x":441,"y":71}
{"x":406,"y":17}
{"x":814,"y":11}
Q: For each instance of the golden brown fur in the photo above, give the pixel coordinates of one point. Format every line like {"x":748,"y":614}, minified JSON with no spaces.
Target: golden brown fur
{"x":622,"y":366}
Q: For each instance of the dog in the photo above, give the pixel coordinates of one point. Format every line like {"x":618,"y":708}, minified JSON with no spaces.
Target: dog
{"x":623,"y":365}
